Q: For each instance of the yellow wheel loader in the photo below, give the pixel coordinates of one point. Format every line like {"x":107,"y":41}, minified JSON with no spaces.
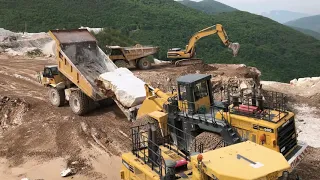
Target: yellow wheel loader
{"x":192,"y":109}
{"x":186,"y":56}
{"x":149,"y":160}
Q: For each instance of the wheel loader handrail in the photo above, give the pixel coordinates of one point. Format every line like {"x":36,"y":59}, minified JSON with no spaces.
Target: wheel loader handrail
{"x":135,"y":132}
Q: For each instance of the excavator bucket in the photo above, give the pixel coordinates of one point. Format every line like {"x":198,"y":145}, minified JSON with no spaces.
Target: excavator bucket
{"x":235,"y":48}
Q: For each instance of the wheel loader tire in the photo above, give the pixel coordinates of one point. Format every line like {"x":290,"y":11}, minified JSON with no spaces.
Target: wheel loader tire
{"x":121,"y":63}
{"x":79,"y":103}
{"x":209,"y":141}
{"x":144,"y":64}
{"x":57,"y":97}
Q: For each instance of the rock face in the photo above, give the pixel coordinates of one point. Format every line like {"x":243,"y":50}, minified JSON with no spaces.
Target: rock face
{"x":128,"y":89}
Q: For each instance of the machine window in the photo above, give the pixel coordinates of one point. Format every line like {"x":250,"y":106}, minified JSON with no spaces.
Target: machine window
{"x":54,"y":71}
{"x":182,"y":92}
{"x":254,"y":138}
{"x":47,"y":72}
{"x":200,"y":90}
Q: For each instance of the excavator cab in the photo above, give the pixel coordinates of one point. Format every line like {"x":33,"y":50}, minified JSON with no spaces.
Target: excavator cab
{"x":194,"y":93}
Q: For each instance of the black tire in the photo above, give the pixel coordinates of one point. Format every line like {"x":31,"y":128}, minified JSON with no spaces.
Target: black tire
{"x":144,"y":64}
{"x":121,"y":63}
{"x":79,"y":102}
{"x":57,"y":97}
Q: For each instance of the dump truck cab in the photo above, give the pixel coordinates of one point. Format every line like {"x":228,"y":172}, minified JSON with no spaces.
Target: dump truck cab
{"x":50,"y":75}
{"x":150,"y":161}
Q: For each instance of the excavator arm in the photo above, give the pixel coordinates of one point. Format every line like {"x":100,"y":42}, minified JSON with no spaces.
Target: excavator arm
{"x":216,"y":29}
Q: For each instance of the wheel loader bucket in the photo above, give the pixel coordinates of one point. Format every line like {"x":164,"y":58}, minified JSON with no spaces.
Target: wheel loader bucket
{"x":235,"y":48}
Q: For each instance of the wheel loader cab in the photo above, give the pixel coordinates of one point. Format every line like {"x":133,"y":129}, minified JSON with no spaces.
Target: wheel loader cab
{"x":194,"y":93}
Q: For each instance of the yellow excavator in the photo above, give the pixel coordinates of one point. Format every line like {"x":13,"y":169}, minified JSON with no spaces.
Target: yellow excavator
{"x":186,"y":56}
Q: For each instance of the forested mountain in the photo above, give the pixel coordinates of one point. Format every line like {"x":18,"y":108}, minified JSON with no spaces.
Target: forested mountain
{"x":308,"y":32}
{"x":280,"y":52}
{"x":208,"y":6}
{"x":311,"y":22}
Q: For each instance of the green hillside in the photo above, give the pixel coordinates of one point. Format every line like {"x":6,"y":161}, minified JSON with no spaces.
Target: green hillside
{"x":208,"y":6}
{"x":112,"y":37}
{"x":308,"y":32}
{"x":311,"y":22}
{"x":280,"y":52}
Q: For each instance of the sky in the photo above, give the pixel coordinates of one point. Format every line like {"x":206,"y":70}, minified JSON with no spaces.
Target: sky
{"x":311,"y":7}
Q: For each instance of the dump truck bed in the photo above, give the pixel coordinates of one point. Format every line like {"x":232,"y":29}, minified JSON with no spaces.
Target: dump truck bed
{"x":136,"y":52}
{"x":81,"y":60}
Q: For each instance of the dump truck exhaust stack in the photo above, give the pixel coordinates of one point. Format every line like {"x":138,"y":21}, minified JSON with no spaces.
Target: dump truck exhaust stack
{"x":235,"y":48}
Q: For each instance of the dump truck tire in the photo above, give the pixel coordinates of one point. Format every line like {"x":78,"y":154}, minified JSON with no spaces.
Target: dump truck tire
{"x":121,"y":63}
{"x":144,"y":64}
{"x":209,"y":141}
{"x":79,"y":102}
{"x":57,"y":97}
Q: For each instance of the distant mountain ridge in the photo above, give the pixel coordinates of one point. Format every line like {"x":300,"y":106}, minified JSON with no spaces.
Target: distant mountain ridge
{"x":308,"y":32}
{"x":311,"y":22}
{"x":283,"y":16}
{"x":208,"y":6}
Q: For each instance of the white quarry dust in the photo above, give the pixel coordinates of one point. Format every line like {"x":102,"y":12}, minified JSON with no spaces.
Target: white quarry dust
{"x":129,"y":89}
{"x":48,"y":48}
{"x":308,"y":124}
{"x":307,"y":116}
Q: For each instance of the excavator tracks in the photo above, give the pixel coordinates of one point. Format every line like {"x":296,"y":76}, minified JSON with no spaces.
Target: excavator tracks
{"x":186,"y":62}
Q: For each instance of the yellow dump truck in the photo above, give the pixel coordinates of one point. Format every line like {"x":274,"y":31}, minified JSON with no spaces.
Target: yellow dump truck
{"x":80,"y":61}
{"x":135,"y":56}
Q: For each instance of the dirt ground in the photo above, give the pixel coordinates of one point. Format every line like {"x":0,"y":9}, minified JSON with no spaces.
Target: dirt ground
{"x":37,"y":140}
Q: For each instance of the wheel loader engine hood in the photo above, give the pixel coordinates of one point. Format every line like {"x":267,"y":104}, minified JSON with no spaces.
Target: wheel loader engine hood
{"x":232,"y":161}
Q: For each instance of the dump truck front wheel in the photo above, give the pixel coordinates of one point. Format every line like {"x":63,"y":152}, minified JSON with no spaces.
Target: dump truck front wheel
{"x":144,"y":63}
{"x":57,"y":97}
{"x":79,"y":102}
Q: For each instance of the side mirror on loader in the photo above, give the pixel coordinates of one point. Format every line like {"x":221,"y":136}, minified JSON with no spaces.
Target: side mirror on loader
{"x":39,"y":77}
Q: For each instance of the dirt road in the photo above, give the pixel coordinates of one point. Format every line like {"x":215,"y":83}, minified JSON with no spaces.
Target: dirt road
{"x":38,"y":141}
